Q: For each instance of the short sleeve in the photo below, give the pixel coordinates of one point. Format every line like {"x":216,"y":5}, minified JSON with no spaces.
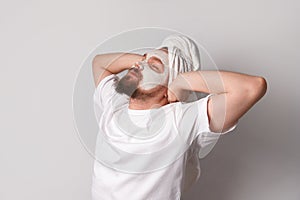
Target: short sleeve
{"x":193,"y":120}
{"x":206,"y":139}
{"x":204,"y":126}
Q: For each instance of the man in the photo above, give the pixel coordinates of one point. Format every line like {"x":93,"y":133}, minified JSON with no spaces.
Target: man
{"x":149,"y":142}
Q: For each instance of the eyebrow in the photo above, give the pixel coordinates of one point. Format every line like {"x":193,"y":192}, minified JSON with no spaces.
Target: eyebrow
{"x":158,"y":60}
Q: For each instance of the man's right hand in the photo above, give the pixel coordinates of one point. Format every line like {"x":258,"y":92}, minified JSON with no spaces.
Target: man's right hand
{"x":112,"y":63}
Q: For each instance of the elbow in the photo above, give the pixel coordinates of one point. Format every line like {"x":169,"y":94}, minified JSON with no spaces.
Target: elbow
{"x":95,"y":61}
{"x":261,"y":86}
{"x":258,"y":88}
{"x":98,"y":63}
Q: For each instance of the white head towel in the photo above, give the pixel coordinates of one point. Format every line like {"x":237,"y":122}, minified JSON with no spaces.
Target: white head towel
{"x":184,"y":55}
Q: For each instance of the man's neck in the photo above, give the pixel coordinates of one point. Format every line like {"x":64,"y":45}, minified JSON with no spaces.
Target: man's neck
{"x":145,"y":104}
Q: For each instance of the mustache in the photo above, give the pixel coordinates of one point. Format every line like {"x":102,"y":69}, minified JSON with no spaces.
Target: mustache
{"x":136,"y":72}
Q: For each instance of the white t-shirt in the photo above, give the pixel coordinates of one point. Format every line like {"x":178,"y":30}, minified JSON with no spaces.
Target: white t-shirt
{"x":147,"y":154}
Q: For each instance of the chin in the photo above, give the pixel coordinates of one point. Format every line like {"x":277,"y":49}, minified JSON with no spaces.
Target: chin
{"x":141,"y":93}
{"x":152,"y":89}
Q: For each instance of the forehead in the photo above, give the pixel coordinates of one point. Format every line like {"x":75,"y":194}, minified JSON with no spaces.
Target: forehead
{"x":158,"y":55}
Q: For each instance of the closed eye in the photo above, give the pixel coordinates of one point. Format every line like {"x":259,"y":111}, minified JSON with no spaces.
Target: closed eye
{"x":156,"y":64}
{"x":155,"y":68}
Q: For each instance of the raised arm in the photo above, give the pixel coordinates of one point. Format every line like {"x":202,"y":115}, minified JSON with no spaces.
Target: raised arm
{"x":235,"y":94}
{"x":112,"y":63}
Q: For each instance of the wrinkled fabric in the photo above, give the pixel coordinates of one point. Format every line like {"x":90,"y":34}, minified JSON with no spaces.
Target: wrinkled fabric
{"x":119,"y":173}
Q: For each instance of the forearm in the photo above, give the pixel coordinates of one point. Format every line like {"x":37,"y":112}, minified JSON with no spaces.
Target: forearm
{"x":116,"y":62}
{"x":215,"y":82}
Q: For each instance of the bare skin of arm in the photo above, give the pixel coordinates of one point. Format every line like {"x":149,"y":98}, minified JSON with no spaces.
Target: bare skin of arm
{"x":112,"y":63}
{"x":235,"y":94}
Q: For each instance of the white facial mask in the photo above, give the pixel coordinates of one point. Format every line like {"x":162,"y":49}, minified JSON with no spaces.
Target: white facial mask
{"x":152,"y":77}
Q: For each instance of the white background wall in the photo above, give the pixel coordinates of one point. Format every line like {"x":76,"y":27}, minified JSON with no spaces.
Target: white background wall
{"x":43,"y":44}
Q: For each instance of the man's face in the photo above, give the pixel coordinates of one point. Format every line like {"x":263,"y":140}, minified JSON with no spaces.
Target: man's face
{"x":146,"y":76}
